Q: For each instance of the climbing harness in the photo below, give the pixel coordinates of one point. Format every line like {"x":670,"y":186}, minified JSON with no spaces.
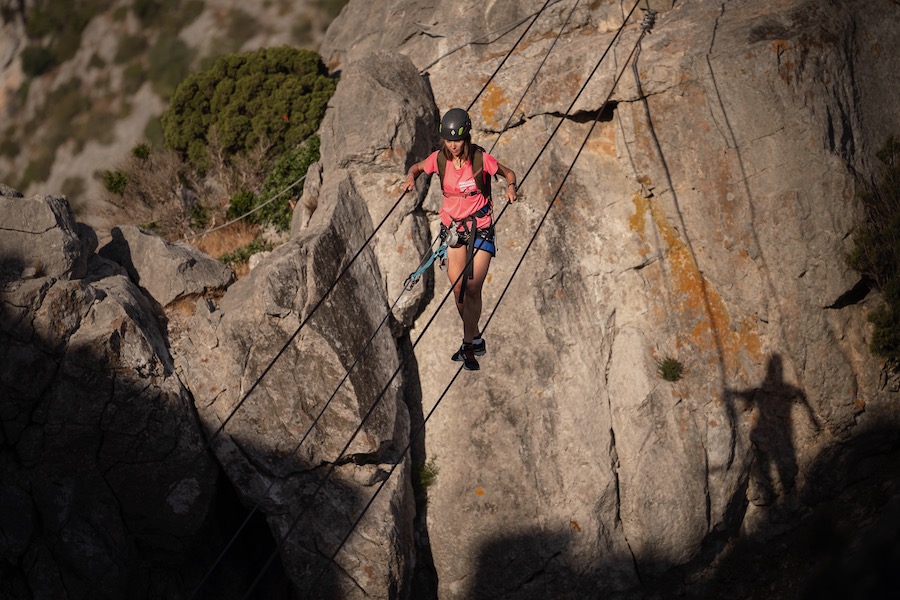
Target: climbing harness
{"x":453,"y":236}
{"x":458,"y":233}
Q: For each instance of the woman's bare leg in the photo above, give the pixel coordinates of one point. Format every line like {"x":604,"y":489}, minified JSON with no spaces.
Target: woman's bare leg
{"x":470,"y":308}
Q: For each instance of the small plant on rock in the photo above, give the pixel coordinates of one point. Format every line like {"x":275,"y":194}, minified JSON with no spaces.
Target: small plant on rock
{"x":428,"y":474}
{"x":670,"y":369}
{"x":115,"y":182}
{"x":141,"y":151}
{"x":242,"y":255}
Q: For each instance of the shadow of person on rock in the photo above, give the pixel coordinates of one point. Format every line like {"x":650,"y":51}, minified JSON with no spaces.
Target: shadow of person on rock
{"x":773,"y":472}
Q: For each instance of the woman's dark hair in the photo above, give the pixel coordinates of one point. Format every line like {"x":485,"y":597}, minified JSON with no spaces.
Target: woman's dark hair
{"x":468,"y":152}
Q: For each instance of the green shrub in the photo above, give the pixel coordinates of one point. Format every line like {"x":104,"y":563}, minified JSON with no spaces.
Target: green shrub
{"x":423,"y":478}
{"x":187,"y":13}
{"x":41,"y":22}
{"x":65,"y":110}
{"x":240,"y":204}
{"x":38,"y":168}
{"x":141,"y":151}
{"x":169,"y":15}
{"x":886,"y":318}
{"x":199,"y":216}
{"x":37,"y":60}
{"x":133,"y":77}
{"x":153,"y":131}
{"x":67,"y":43}
{"x":9,"y":147}
{"x":428,"y":474}
{"x":8,"y":12}
{"x":20,"y":97}
{"x":70,"y":115}
{"x":97,"y":62}
{"x":96,"y":125}
{"x":151,"y":226}
{"x":114,"y":181}
{"x":274,"y":95}
{"x":670,"y":369}
{"x":241,"y":255}
{"x":876,"y":248}
{"x":120,"y":14}
{"x":62,"y":21}
{"x":147,"y":11}
{"x":290,"y":166}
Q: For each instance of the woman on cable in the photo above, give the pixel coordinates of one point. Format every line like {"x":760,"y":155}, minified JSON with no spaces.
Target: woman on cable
{"x":466,"y":220}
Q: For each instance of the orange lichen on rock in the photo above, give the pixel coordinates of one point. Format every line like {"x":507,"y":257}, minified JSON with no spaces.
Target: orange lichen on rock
{"x":698,"y":307}
{"x":494,"y":98}
{"x":637,"y":221}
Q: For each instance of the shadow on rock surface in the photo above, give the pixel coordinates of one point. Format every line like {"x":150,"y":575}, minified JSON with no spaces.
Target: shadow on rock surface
{"x":842,"y":541}
{"x":107,"y":489}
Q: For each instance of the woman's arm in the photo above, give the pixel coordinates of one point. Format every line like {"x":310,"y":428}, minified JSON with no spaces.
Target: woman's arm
{"x":411,"y":175}
{"x":510,"y":177}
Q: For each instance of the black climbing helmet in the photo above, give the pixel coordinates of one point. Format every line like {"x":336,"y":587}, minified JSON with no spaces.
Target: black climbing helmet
{"x":455,"y":125}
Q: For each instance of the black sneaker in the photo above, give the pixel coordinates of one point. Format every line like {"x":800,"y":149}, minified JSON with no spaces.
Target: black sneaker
{"x":466,"y":355}
{"x":480,"y":348}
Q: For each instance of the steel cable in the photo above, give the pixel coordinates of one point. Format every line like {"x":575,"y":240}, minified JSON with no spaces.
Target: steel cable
{"x":421,"y":427}
{"x":368,"y":343}
{"x":534,"y":77}
{"x":508,"y":54}
{"x":377,"y":400}
{"x":245,"y":215}
{"x":505,"y":29}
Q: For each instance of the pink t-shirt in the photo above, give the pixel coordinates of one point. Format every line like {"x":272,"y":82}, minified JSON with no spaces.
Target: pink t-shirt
{"x":458,"y":185}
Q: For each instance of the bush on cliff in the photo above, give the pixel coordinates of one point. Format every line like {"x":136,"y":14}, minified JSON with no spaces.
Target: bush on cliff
{"x":876,"y":252}
{"x":272,"y":204}
{"x":274,"y":97}
{"x":237,"y":135}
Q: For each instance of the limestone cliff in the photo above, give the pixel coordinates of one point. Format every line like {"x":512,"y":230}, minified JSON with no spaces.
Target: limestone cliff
{"x":705,"y":220}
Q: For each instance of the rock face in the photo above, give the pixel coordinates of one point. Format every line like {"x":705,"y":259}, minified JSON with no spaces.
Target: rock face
{"x":706,"y":220}
{"x":296,"y":470}
{"x":166,"y":271}
{"x":381,"y":120}
{"x":40,"y":238}
{"x":103,"y":469}
{"x":289,"y":354}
